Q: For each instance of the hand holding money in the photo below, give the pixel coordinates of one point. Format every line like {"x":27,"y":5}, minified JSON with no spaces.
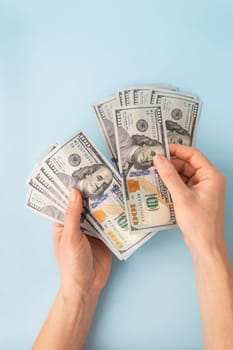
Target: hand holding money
{"x":126,"y":205}
{"x":84,"y":261}
{"x":198,"y":191}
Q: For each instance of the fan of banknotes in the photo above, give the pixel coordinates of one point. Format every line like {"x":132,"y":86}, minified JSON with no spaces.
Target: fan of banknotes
{"x":125,"y":201}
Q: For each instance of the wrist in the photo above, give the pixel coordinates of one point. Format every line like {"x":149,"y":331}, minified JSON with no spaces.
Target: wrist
{"x":206,"y":252}
{"x":76,"y":310}
{"x":77,"y":293}
{"x":205,"y":240}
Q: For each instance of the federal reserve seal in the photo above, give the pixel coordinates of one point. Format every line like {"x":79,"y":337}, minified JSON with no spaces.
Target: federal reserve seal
{"x":74,"y":159}
{"x":176,"y":113}
{"x":142,"y":125}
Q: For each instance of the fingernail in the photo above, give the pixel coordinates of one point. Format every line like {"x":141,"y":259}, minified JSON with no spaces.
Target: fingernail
{"x":73,"y":195}
{"x":158,"y":160}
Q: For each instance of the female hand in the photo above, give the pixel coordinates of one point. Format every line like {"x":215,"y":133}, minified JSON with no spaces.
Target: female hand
{"x":198,"y":191}
{"x":84,"y":262}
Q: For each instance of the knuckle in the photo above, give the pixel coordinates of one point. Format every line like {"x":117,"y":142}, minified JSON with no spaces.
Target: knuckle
{"x":57,"y":228}
{"x":198,"y":154}
{"x":193,"y":150}
{"x":221,"y":180}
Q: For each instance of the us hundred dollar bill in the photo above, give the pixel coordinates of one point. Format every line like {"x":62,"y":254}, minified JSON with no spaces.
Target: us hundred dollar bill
{"x":42,"y":180}
{"x":121,"y":97}
{"x":105,"y":112}
{"x":45,"y":170}
{"x":44,"y":206}
{"x":124,"y":97}
{"x":39,"y":178}
{"x":181,"y":115}
{"x":78,"y":164}
{"x":42,"y":174}
{"x":140,"y":135}
{"x":141,"y":95}
{"x":38,"y":187}
{"x":156,"y":91}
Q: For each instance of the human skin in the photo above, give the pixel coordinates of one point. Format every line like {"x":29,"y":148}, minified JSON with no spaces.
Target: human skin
{"x":198,"y":192}
{"x":174,"y":137}
{"x":85,"y":264}
{"x":93,"y":185}
{"x":144,"y":154}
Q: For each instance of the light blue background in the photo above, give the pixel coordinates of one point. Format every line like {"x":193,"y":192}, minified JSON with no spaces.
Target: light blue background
{"x":56,"y":58}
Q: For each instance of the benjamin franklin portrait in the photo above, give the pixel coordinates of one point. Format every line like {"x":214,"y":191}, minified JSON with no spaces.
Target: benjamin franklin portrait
{"x":176,"y":134}
{"x":91,"y":181}
{"x":138,"y":150}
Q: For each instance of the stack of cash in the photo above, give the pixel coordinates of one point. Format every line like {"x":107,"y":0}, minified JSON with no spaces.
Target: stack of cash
{"x":125,"y":202}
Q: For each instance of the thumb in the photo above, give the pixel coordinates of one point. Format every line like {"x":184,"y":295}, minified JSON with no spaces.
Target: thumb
{"x":73,"y":212}
{"x":170,"y":177}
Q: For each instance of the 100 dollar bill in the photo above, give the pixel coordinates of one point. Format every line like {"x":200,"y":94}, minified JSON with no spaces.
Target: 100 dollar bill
{"x":140,"y":135}
{"x":38,"y":178}
{"x":44,"y":206}
{"x":181,"y":115}
{"x":105,"y":112}
{"x":78,"y":164}
{"x":142,"y":94}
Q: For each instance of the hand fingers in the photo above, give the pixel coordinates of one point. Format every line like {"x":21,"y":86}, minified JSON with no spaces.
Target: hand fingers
{"x":171,"y":178}
{"x":183,"y":167}
{"x":194,"y":157}
{"x":194,"y":180}
{"x":57,"y":233}
{"x":189,"y":175}
{"x":73,"y":213}
{"x":57,"y":228}
{"x":184,"y":178}
{"x":98,"y":244}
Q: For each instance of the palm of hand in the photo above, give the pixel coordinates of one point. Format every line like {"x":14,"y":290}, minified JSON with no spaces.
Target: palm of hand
{"x":202,"y":197}
{"x":84,"y":262}
{"x":102,"y":258}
